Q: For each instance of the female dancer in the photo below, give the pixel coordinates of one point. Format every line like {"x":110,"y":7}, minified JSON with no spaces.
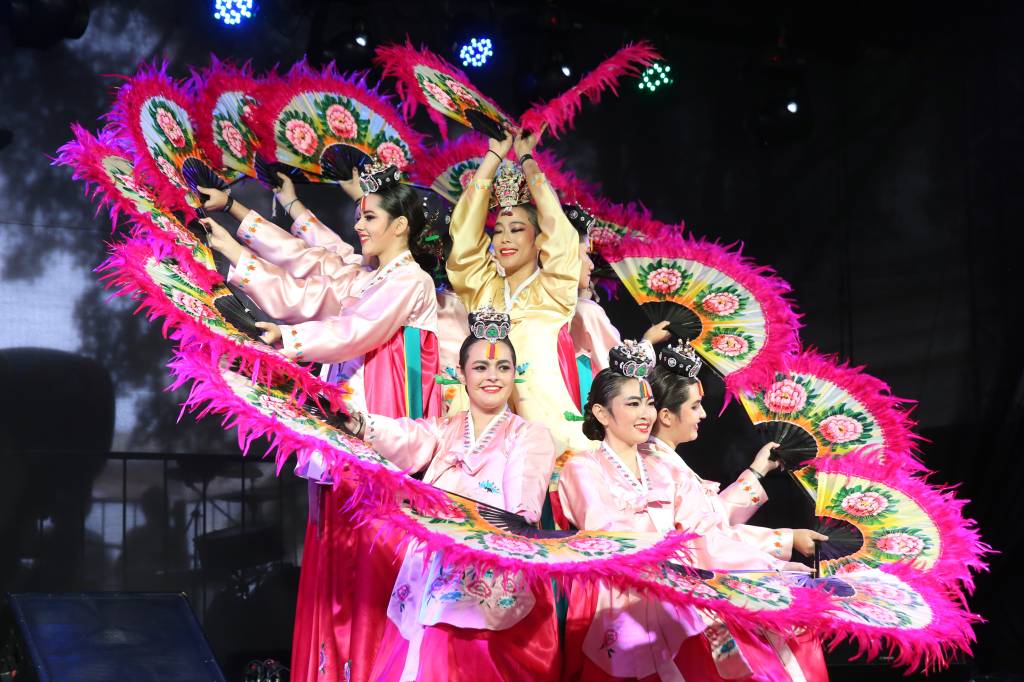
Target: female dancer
{"x":468,"y":625}
{"x":625,"y":485}
{"x":380,"y":327}
{"x":532,"y":275}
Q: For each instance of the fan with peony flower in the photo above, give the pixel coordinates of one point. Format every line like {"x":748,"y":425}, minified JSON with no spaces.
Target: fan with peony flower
{"x":224,"y":102}
{"x":734,"y":314}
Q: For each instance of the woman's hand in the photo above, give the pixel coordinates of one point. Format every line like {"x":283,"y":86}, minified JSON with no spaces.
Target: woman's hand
{"x":803,"y":540}
{"x":272,"y":335}
{"x":351,"y":186}
{"x":218,"y":198}
{"x":286,"y":192}
{"x":220,"y":240}
{"x":763,"y":463}
{"x":524,"y":143}
{"x":658,"y":333}
{"x":500,"y":147}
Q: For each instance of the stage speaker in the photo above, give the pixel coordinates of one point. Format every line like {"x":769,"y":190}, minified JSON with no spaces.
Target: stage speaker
{"x":104,"y":637}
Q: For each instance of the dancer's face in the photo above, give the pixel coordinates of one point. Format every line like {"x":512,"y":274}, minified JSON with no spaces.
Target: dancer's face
{"x":587,"y":268}
{"x":515,"y":239}
{"x":377,"y":230}
{"x":682,"y":426}
{"x":631,"y":414}
{"x":489,"y":375}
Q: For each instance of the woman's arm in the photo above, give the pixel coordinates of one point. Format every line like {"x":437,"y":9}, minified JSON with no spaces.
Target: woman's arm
{"x":528,"y":472}
{"x":409,"y":444}
{"x":558,"y":241}
{"x":469,"y":267}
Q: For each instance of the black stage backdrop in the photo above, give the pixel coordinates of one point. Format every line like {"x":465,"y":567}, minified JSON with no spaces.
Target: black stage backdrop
{"x":890,"y":201}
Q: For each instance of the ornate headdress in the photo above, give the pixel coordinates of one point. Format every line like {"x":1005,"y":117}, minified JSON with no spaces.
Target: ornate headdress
{"x":630,"y":359}
{"x":579,"y":218}
{"x":509,"y":188}
{"x":489,"y":324}
{"x":375,"y":176}
{"x":681,"y":359}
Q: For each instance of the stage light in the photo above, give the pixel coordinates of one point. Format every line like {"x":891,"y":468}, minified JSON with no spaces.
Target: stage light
{"x":361,"y":39}
{"x":233,"y":12}
{"x":792,"y":107}
{"x":655,"y":76}
{"x":476,"y":52}
{"x":566,"y":71}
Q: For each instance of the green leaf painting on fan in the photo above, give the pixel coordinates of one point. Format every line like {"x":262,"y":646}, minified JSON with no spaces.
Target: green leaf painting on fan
{"x":884,"y":602}
{"x":454,"y":99}
{"x":232,"y":133}
{"x":455,"y":179}
{"x":751,"y":591}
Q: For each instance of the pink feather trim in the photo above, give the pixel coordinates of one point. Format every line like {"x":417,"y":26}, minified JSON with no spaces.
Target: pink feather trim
{"x":278,"y":91}
{"x":961,"y":549}
{"x":124,"y":271}
{"x":376,"y":487}
{"x":84,"y":155}
{"x":781,"y":320}
{"x":558,"y":114}
{"x":205,"y":87}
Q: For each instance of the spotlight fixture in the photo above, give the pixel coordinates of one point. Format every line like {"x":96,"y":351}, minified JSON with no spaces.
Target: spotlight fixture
{"x":233,"y":12}
{"x":476,"y":52}
{"x":792,"y":107}
{"x":655,"y":76}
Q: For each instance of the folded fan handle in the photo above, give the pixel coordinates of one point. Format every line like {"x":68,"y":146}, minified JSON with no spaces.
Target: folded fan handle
{"x":817,"y":559}
{"x":482,"y":124}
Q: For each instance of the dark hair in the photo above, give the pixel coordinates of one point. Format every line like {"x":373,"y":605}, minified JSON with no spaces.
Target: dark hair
{"x":403,"y":200}
{"x":606,"y":386}
{"x":670,"y":389}
{"x":471,"y":340}
{"x":531,"y":215}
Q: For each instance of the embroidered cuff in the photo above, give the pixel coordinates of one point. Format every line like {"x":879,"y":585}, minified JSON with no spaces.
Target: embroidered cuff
{"x":781,"y":541}
{"x":241,"y":272}
{"x":249,"y":228}
{"x":370,"y":430}
{"x":752,"y":487}
{"x":301,"y":226}
{"x":292,"y":341}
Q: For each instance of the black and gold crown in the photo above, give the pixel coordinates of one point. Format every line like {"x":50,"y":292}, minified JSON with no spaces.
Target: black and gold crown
{"x":630,"y":359}
{"x":489,"y":324}
{"x":509,"y":187}
{"x":681,"y":359}
{"x":375,"y":176}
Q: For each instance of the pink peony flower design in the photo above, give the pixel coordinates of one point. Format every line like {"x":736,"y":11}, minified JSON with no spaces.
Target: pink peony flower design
{"x":301,"y":136}
{"x":596,"y":545}
{"x":247,"y":112}
{"x":510,"y":545}
{"x":755,"y":591}
{"x":730,"y":345}
{"x":169,"y":126}
{"x":478,"y":588}
{"x":341,"y":122}
{"x":233,"y":139}
{"x":722,"y":303}
{"x":664,"y":281}
{"x":900,"y":544}
{"x":840,"y":429}
{"x":128,"y":182}
{"x":279,"y":406}
{"x":403,"y":592}
{"x":610,"y":638}
{"x":603,"y":236}
{"x":177,"y":270}
{"x":700,"y":588}
{"x":193,"y":306}
{"x":168,"y":169}
{"x":852,"y":567}
{"x":453,"y":513}
{"x":440,"y":95}
{"x":467,"y":177}
{"x":864,"y":504}
{"x":390,"y":153}
{"x":512,"y":583}
{"x":461,"y":92}
{"x":875,"y":613}
{"x":785,"y":397}
{"x":886,"y":593}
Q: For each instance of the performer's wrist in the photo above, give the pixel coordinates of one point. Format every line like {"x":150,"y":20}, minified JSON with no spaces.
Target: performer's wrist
{"x":496,"y":155}
{"x":526,"y":157}
{"x":226,"y":208}
{"x":755,"y":472}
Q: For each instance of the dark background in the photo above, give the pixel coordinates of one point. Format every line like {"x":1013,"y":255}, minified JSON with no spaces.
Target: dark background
{"x":890,"y":201}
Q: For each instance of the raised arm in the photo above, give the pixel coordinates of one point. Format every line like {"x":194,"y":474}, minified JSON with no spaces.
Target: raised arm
{"x":469,"y":267}
{"x":558,"y":240}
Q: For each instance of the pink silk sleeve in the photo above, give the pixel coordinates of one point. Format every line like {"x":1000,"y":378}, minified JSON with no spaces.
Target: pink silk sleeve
{"x":528,"y":471}
{"x":297,"y":256}
{"x":593,"y":332}
{"x":743,"y":498}
{"x":368,"y":322}
{"x":585,"y":495}
{"x":286,"y":297}
{"x":309,"y":229}
{"x":410,"y":444}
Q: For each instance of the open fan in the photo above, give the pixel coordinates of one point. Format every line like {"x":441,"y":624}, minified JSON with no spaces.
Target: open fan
{"x":169,"y":291}
{"x":225,"y":100}
{"x":876,"y":514}
{"x":326,"y":124}
{"x":732,"y":312}
{"x":296,"y":426}
{"x":424,"y":78}
{"x":816,"y":407}
{"x":473,"y":533}
{"x":100,"y":162}
{"x":152,"y":110}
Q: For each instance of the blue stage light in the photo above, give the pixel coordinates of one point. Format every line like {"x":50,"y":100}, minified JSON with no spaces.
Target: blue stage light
{"x":233,"y":12}
{"x":476,"y":52}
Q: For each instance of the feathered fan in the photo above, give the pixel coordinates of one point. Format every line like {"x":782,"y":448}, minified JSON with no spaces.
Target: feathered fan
{"x":816,"y":407}
{"x":224,"y":103}
{"x":732,"y":312}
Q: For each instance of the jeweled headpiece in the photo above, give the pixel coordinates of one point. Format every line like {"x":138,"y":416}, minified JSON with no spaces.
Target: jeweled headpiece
{"x":375,"y":176}
{"x":509,"y":187}
{"x":579,"y":218}
{"x":489,"y":324}
{"x":681,"y":359}
{"x":630,"y":360}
